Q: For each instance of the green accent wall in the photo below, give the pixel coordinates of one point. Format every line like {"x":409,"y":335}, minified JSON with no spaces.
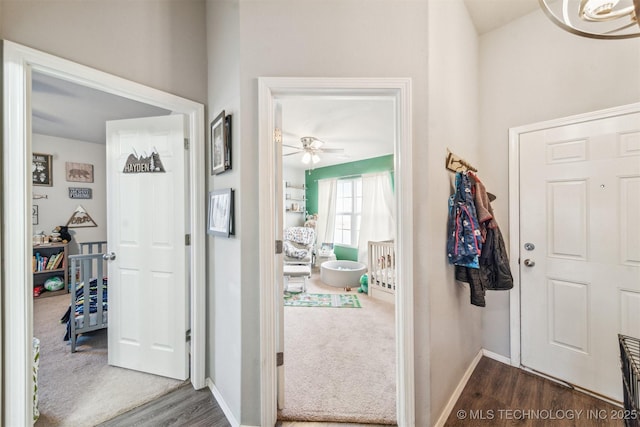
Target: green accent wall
{"x":351,"y":169}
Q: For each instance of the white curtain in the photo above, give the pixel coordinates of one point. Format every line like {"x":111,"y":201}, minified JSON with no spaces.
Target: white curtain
{"x":378,"y":220}
{"x":325,"y":224}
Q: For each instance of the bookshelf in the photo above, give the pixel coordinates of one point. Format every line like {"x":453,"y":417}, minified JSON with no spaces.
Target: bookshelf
{"x":42,"y":270}
{"x":295,"y":199}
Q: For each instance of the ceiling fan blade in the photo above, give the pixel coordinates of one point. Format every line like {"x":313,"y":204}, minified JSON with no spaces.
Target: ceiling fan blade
{"x":291,"y":154}
{"x":291,"y":146}
{"x":332,"y":150}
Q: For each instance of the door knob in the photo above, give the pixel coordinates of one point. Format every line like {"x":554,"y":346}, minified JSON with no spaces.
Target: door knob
{"x":109,"y":257}
{"x":529,"y":262}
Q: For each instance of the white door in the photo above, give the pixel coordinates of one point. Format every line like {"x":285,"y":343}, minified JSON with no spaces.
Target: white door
{"x":146,"y":219}
{"x":580,"y":249}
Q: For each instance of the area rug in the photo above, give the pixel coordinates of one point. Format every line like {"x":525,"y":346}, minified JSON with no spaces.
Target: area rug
{"x":321,"y":300}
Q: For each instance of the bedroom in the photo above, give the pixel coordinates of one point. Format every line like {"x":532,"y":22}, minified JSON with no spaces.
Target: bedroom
{"x":68,"y":127}
{"x":337,"y":171}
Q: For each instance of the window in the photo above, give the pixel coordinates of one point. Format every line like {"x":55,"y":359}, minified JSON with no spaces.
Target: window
{"x":348,"y":211}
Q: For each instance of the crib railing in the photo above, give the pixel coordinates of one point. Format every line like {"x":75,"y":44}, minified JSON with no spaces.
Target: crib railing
{"x":87,"y":267}
{"x":382,"y":268}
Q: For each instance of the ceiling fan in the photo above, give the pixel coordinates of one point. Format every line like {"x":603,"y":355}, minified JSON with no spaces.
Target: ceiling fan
{"x":311,"y":147}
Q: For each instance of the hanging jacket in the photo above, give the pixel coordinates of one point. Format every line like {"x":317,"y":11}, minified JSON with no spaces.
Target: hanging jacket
{"x":494,"y":272}
{"x":464,"y":242}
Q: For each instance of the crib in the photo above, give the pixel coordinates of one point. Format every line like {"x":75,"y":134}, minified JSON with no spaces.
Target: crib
{"x":382,"y":270}
{"x":87,"y":314}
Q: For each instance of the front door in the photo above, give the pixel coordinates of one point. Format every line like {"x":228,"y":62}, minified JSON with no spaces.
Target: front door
{"x":580,"y":249}
{"x":146,"y":218}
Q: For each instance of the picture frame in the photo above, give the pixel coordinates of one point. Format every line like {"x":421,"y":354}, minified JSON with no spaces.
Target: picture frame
{"x":220,"y":144}
{"x":34,"y":214}
{"x":78,"y":172}
{"x":41,"y":165}
{"x":220,"y":218}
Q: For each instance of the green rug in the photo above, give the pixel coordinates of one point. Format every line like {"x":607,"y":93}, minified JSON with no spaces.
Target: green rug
{"x":321,"y":300}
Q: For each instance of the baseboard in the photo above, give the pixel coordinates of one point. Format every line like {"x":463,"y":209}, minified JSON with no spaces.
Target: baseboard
{"x":223,"y":405}
{"x":498,"y":357}
{"x":458,"y":391}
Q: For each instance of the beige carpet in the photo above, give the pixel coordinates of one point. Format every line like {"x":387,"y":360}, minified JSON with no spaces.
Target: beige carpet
{"x":80,"y":389}
{"x":340,"y":362}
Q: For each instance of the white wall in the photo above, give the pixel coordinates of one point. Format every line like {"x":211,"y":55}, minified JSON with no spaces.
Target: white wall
{"x":159,"y":43}
{"x":533,"y":71}
{"x":453,"y":123}
{"x":57,"y":208}
{"x":225,"y":275}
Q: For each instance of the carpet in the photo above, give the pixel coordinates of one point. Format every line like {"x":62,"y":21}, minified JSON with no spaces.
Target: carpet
{"x":321,"y":300}
{"x":339,"y":365}
{"x":80,"y":389}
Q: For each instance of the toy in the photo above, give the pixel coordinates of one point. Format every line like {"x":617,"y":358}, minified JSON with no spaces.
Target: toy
{"x":53,"y":284}
{"x":364,"y":284}
{"x":61,"y":232}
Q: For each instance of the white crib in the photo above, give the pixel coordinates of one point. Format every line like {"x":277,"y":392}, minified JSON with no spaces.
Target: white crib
{"x":382,"y":270}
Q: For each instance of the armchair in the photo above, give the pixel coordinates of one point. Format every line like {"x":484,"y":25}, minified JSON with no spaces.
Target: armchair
{"x":298,"y":245}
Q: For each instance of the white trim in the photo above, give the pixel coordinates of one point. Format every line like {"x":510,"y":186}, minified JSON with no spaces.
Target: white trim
{"x":18,"y":61}
{"x":223,"y":404}
{"x":400,"y":90}
{"x":514,"y":205}
{"x":497,"y":357}
{"x":444,"y":415}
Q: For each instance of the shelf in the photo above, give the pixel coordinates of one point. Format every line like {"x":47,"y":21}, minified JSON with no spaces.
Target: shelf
{"x":41,"y":276}
{"x":57,"y":270}
{"x":296,"y":186}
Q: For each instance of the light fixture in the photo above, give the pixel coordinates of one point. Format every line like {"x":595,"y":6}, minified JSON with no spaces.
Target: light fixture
{"x":315,"y":158}
{"x":306,"y":158}
{"x":598,"y":19}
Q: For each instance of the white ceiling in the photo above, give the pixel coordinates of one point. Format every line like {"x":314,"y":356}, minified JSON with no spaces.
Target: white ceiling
{"x":488,"y":15}
{"x":362,"y":127}
{"x":67,"y":110}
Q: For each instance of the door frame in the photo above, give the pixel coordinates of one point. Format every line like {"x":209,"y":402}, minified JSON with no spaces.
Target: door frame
{"x":514,"y":207}
{"x":18,"y":63}
{"x":269,"y":88}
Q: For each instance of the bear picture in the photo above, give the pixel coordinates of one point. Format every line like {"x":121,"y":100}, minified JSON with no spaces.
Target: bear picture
{"x":79,"y":172}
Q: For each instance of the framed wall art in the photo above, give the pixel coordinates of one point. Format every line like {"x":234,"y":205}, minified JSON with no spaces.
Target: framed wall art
{"x":79,"y":172}
{"x":41,"y":169}
{"x":221,"y":212}
{"x":220,"y":144}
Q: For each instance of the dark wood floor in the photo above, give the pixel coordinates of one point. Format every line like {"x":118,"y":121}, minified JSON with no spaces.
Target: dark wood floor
{"x":496,"y":395}
{"x":500,"y":395}
{"x":182,"y":407}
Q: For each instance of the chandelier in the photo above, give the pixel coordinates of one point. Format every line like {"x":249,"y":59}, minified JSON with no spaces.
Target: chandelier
{"x":598,"y":19}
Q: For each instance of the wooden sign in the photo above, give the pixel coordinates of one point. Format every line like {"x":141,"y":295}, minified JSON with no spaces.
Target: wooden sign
{"x":80,"y":193}
{"x":143,"y":164}
{"x":81,"y":218}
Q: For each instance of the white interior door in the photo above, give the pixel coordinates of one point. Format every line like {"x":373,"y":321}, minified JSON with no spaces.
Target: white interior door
{"x":580,"y":249}
{"x":146,"y":217}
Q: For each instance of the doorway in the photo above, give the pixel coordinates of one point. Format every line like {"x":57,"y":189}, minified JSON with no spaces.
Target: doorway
{"x":575,"y":198}
{"x":269,"y":90}
{"x":19,"y":63}
{"x":337,"y":173}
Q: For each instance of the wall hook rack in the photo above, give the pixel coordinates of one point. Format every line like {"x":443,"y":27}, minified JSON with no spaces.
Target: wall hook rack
{"x":458,"y":164}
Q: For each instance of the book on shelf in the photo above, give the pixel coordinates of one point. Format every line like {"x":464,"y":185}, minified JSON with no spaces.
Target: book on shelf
{"x":50,"y":262}
{"x":59,"y":261}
